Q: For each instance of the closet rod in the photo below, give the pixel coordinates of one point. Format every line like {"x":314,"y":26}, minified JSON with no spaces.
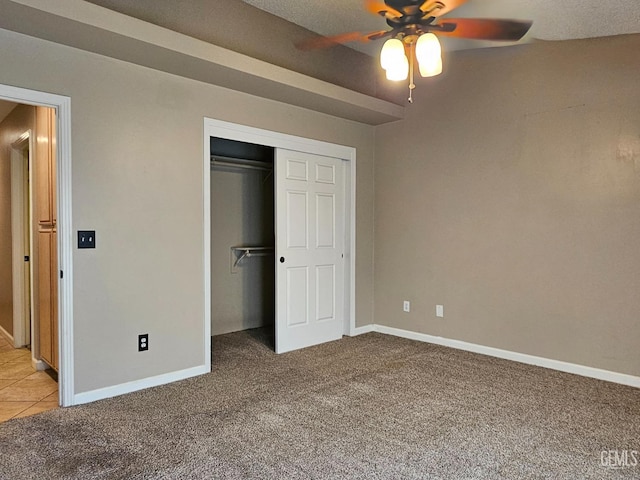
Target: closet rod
{"x":248,"y":252}
{"x":220,"y":161}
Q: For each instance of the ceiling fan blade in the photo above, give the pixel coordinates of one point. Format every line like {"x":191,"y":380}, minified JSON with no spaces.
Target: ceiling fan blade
{"x":484,"y":28}
{"x":381,"y":34}
{"x":380,"y":8}
{"x":326,"y":42}
{"x":437,"y":8}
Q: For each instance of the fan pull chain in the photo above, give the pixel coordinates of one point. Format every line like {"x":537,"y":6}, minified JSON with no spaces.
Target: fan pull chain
{"x":412,"y":56}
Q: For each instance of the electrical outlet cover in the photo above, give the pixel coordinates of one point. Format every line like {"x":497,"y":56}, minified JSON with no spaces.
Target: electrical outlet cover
{"x":143,"y":342}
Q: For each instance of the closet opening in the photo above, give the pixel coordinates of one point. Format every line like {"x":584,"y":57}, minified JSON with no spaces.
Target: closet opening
{"x":242,"y":239}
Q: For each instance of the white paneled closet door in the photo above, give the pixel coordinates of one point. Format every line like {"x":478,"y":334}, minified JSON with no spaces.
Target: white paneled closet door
{"x":310,"y":222}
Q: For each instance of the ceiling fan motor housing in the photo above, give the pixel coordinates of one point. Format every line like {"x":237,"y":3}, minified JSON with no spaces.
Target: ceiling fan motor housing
{"x":416,"y":8}
{"x":416,"y":17}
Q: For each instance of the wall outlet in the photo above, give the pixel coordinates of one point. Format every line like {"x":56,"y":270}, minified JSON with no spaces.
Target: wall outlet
{"x":143,"y":342}
{"x":440,"y":311}
{"x":406,"y":306}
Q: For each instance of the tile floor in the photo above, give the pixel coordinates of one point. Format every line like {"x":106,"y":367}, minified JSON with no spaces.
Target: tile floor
{"x":23,"y":391}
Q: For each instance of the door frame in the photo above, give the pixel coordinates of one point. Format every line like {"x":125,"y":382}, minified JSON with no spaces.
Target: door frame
{"x":62,"y":105}
{"x":242,"y":133}
{"x":18,"y":220}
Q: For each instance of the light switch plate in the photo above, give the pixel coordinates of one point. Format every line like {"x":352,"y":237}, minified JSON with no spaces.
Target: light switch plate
{"x":86,"y":239}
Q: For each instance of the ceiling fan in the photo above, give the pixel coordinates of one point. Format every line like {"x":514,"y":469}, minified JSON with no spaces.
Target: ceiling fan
{"x":415,"y":28}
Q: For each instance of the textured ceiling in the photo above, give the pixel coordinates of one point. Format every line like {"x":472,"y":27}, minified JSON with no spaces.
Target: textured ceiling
{"x":552,"y":19}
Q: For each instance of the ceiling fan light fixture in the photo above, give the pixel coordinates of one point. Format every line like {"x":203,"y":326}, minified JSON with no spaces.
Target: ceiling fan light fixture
{"x":399,"y":70}
{"x":431,"y":68}
{"x":394,"y":60}
{"x":392,"y":53}
{"x":429,"y":55}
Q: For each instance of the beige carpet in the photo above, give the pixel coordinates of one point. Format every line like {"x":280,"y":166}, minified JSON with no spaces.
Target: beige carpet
{"x":368,"y":407}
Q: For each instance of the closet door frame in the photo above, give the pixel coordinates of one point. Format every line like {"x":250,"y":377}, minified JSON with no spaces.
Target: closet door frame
{"x":241,"y":133}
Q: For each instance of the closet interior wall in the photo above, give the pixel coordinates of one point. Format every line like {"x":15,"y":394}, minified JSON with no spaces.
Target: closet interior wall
{"x":242,"y":215}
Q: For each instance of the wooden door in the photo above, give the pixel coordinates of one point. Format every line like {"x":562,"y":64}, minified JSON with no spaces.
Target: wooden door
{"x":45,"y":319}
{"x":45,"y":167}
{"x":54,"y":298}
{"x":47,"y":254}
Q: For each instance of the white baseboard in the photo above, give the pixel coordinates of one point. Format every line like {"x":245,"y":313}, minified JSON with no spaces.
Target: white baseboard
{"x":115,"y":390}
{"x":6,"y":335}
{"x":561,"y":366}
{"x":38,"y":365}
{"x":615,"y":377}
{"x":361,"y":330}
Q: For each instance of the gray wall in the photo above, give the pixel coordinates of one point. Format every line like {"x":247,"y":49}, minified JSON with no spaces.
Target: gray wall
{"x":241,"y":215}
{"x":511,"y":194}
{"x":21,"y":119}
{"x":243,"y":28}
{"x":137,"y":180}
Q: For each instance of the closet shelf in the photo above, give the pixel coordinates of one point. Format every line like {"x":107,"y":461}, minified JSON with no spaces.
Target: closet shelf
{"x":248,"y":252}
{"x":229,"y":162}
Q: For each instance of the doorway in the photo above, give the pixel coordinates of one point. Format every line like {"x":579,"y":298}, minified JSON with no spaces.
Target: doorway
{"x":344,"y":158}
{"x":242,"y":239}
{"x":34,"y":233}
{"x":50,"y":235}
{"x":21,"y":238}
{"x":27,"y":142}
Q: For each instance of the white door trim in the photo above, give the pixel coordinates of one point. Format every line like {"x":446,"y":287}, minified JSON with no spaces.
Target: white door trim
{"x":17,"y":235}
{"x":62,"y":105}
{"x":241,"y":133}
{"x":206,"y":207}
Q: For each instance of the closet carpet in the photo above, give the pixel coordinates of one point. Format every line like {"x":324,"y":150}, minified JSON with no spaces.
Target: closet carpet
{"x":367,"y":407}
